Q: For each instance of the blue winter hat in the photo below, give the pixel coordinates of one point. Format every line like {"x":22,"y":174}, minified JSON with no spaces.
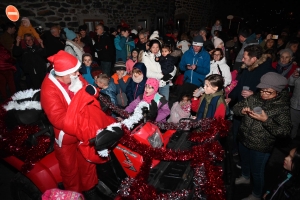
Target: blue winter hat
{"x":70,"y":34}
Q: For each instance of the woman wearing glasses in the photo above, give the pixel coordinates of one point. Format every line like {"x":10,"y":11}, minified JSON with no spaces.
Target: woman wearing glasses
{"x":265,"y":117}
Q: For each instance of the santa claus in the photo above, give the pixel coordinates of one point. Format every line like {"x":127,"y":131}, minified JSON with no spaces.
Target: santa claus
{"x":76,"y":116}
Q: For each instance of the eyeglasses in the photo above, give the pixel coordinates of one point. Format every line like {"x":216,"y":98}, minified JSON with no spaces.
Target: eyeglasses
{"x":266,"y":92}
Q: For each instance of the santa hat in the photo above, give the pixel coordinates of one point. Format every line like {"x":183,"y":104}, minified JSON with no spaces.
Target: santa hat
{"x":217,"y":41}
{"x":154,"y":35}
{"x":25,"y":19}
{"x":64,"y":63}
{"x":153,"y":82}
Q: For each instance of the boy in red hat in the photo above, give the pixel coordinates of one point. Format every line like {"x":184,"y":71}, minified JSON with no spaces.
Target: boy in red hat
{"x":74,"y":113}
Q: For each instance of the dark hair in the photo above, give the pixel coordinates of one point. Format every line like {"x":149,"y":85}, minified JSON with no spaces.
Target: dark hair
{"x":124,"y":29}
{"x":155,"y":42}
{"x":216,"y":80}
{"x":220,"y":50}
{"x":187,"y":96}
{"x":87,"y":54}
{"x":8,"y":25}
{"x":291,"y":42}
{"x":254,"y":50}
{"x":166,"y":46}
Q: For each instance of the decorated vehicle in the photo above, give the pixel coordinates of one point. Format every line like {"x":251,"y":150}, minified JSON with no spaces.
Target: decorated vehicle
{"x":144,"y":163}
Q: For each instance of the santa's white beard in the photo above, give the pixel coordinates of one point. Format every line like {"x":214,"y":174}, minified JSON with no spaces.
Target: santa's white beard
{"x":76,"y":84}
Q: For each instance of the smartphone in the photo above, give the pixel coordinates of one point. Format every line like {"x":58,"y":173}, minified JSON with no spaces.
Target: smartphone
{"x":275,"y":37}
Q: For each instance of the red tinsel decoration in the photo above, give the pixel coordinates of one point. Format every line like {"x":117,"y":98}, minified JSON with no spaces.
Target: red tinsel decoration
{"x":13,"y":143}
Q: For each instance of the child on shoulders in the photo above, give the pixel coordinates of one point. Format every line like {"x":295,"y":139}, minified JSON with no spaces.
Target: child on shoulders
{"x":26,"y":27}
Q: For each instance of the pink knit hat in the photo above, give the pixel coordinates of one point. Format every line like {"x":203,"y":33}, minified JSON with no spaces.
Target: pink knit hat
{"x":153,"y":82}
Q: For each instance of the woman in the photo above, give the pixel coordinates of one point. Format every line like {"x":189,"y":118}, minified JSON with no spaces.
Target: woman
{"x":159,"y":108}
{"x":73,"y":44}
{"x":259,"y":130}
{"x":285,"y":65}
{"x":269,"y":47}
{"x":218,"y":66}
{"x":289,"y":187}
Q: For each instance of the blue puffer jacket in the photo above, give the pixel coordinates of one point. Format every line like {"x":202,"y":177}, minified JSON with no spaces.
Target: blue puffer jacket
{"x":124,"y":47}
{"x":201,"y":60}
{"x":134,"y":89}
{"x":111,"y":92}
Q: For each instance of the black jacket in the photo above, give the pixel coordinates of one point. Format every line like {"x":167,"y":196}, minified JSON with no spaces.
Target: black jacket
{"x":104,"y":48}
{"x":52,"y":44}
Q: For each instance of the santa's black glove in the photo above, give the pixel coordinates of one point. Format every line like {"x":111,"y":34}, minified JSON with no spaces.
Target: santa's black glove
{"x":91,"y":90}
{"x":166,"y":77}
{"x":152,"y":114}
{"x":106,"y":139}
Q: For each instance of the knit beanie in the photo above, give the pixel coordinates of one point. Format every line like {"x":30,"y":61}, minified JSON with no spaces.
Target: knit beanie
{"x":273,"y":80}
{"x":120,"y":65}
{"x":70,"y":34}
{"x":153,"y":82}
{"x":26,"y":19}
{"x":134,"y":31}
{"x":154,"y":35}
{"x":217,"y":41}
{"x":198,"y":41}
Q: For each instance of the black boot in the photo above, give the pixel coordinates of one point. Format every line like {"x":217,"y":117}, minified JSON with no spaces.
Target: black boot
{"x":92,"y":194}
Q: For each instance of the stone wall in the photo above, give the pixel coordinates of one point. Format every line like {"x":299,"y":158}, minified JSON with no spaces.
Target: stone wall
{"x":72,"y":13}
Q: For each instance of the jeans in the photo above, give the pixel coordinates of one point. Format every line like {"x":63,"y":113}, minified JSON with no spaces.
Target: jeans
{"x":105,"y":66}
{"x":254,"y":163}
{"x":165,"y":91}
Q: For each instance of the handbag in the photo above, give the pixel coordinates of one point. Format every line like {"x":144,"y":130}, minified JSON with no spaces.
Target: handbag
{"x":122,"y":99}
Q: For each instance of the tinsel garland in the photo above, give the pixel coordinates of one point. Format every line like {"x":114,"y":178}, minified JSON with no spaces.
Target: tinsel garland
{"x":13,"y":143}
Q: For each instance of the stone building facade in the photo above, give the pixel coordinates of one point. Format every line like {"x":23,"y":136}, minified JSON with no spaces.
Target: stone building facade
{"x":151,"y":14}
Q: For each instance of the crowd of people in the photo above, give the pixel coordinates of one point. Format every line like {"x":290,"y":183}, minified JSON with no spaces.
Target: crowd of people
{"x":251,"y":78}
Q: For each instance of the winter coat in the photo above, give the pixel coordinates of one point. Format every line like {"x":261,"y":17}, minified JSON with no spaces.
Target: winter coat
{"x":6,"y":61}
{"x":295,"y":100}
{"x":124,"y":47}
{"x":201,"y":60}
{"x":33,"y":59}
{"x":246,"y":43}
{"x":121,"y":84}
{"x":215,"y":27}
{"x":111,"y":91}
{"x":53,"y":44}
{"x":220,"y":107}
{"x":177,"y":113}
{"x":129,"y":65}
{"x":289,"y":74}
{"x":133,"y":90}
{"x":7,"y":41}
{"x":167,"y":64}
{"x":250,"y":76}
{"x":104,"y":48}
{"x":261,"y":136}
{"x":23,"y":29}
{"x":224,"y":69}
{"x":89,"y":72}
{"x":74,"y":49}
{"x":162,"y":104}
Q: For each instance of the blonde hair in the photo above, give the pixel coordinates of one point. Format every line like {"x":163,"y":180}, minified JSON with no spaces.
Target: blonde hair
{"x":103,"y":78}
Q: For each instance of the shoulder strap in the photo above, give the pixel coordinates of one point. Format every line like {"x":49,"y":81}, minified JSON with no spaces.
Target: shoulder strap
{"x":219,"y":69}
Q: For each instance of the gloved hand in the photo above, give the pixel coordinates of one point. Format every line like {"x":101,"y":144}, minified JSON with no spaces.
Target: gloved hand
{"x":166,"y":77}
{"x":152,"y":114}
{"x":91,"y":90}
{"x":107,"y":138}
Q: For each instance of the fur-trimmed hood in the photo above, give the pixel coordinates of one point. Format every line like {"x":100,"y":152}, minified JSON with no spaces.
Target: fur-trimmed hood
{"x":260,"y":61}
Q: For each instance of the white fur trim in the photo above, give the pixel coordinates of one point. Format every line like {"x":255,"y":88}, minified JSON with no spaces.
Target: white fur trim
{"x":55,"y":81}
{"x":137,"y":115}
{"x":26,"y":105}
{"x":200,"y":44}
{"x":24,"y":94}
{"x":60,"y":138}
{"x":103,"y":153}
{"x":69,"y":71}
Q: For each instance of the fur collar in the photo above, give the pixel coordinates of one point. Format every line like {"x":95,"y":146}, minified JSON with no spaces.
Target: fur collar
{"x":260,"y":61}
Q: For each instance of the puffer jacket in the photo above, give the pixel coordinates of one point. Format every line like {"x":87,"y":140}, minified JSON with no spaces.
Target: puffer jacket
{"x":261,"y":136}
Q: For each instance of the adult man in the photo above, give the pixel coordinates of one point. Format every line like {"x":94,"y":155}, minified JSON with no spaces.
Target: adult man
{"x":75,"y":116}
{"x":52,"y":41}
{"x":143,"y":40}
{"x":7,"y":38}
{"x":246,"y":41}
{"x":33,"y":60}
{"x":255,"y":66}
{"x":104,"y":48}
{"x":123,"y":44}
{"x":196,"y":65}
{"x":85,"y":38}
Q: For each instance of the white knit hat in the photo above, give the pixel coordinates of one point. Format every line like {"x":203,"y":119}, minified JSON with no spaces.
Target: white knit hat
{"x":134,"y":31}
{"x":217,"y":41}
{"x":154,"y":35}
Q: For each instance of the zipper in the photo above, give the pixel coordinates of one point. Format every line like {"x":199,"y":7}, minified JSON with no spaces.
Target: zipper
{"x":137,"y":85}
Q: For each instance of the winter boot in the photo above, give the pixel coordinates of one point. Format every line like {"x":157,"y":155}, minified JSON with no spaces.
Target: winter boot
{"x":92,"y":194}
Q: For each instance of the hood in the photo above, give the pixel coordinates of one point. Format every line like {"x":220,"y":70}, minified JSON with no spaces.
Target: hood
{"x":142,"y":67}
{"x":260,"y":61}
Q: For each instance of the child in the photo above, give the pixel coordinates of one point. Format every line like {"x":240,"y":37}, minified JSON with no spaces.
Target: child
{"x":89,"y":69}
{"x":121,"y":80}
{"x":181,"y":109}
{"x":167,"y":63}
{"x":159,"y":108}
{"x":184,"y":45}
{"x":131,"y":61}
{"x":212,"y":103}
{"x":136,"y":85}
{"x":26,"y":27}
{"x":107,"y":87}
{"x":216,"y":27}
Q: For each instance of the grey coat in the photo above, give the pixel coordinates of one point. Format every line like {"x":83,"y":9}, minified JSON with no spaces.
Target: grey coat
{"x":295,"y":100}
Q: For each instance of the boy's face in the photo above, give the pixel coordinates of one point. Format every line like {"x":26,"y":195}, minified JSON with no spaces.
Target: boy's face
{"x":120,"y":72}
{"x":208,"y":88}
{"x":99,"y":83}
{"x":134,"y":54}
{"x":87,"y":61}
{"x":25,"y":23}
{"x":165,"y":52}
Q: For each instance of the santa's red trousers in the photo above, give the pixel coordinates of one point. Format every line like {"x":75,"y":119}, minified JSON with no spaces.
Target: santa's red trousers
{"x":77,"y":173}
